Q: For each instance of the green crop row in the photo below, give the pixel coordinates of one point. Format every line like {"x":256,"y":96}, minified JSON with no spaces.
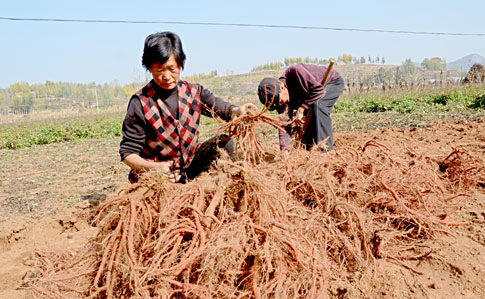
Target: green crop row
{"x":415,"y":101}
{"x":30,"y":133}
{"x":21,"y":135}
{"x":428,"y":103}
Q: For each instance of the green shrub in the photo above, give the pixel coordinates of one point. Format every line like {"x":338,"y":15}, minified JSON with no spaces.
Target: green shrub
{"x":404,"y":105}
{"x":373,"y":106}
{"x":478,"y":102}
{"x":441,"y":99}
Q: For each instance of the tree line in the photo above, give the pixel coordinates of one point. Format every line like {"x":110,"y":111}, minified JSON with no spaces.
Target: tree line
{"x":344,"y":59}
{"x":23,"y":97}
{"x":433,"y":64}
{"x":408,"y":71}
{"x":349,"y":59}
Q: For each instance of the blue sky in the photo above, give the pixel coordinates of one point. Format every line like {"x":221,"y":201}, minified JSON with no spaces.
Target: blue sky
{"x":34,"y":52}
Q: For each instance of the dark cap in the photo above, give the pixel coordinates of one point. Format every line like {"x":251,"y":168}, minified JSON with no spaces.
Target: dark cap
{"x":269,"y":92}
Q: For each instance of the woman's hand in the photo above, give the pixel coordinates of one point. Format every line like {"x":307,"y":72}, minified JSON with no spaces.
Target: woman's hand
{"x":248,"y":108}
{"x":167,"y":168}
{"x":136,"y":162}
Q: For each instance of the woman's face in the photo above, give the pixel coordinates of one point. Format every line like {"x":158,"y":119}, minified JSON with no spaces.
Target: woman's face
{"x":166,"y":75}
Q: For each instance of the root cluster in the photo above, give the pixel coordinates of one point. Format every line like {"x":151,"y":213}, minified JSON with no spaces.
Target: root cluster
{"x":245,"y":130}
{"x":266,"y":230}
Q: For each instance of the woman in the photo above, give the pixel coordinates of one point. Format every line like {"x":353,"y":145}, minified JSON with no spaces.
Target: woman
{"x":161,"y":126}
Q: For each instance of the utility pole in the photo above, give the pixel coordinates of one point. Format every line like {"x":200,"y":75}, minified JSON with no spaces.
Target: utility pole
{"x":96,"y":95}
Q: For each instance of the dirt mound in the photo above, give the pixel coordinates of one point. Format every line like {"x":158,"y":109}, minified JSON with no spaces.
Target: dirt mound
{"x":476,"y":74}
{"x":314,"y":226}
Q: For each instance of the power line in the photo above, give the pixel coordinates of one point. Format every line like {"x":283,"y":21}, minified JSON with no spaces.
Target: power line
{"x":243,"y":25}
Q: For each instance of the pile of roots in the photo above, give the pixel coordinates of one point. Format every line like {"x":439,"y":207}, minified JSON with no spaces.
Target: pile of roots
{"x":265,"y":229}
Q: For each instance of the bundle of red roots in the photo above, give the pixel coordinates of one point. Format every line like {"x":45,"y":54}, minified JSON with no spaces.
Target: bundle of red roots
{"x":259,"y":228}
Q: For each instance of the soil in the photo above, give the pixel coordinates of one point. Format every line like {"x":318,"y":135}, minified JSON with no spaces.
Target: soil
{"x":49,"y":193}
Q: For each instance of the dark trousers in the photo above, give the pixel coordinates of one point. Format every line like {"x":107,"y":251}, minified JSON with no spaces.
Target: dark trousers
{"x":320,"y":124}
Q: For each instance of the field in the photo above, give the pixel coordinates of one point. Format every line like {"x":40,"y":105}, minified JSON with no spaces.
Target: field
{"x":52,"y":184}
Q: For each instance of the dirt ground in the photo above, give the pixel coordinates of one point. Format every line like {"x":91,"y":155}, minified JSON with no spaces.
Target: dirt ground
{"x":48,"y":193}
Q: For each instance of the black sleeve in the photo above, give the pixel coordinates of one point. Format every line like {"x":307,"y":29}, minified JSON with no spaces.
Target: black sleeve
{"x":133,"y":130}
{"x":211,"y":103}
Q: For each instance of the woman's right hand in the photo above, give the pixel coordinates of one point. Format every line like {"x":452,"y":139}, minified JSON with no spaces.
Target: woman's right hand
{"x":167,"y":168}
{"x":136,"y":162}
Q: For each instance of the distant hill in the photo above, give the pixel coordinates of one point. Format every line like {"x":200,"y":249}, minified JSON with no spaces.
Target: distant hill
{"x":464,"y":63}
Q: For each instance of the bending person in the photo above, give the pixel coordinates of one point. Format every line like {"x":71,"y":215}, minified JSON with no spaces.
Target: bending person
{"x":300,"y":89}
{"x":161,"y":126}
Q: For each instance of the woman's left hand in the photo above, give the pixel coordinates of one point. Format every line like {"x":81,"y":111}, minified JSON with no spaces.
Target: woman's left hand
{"x":248,"y":108}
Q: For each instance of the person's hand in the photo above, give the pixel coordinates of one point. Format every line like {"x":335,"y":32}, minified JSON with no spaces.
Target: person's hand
{"x":167,"y":168}
{"x":134,"y":161}
{"x":248,"y":108}
{"x":299,"y":117}
{"x":174,"y":176}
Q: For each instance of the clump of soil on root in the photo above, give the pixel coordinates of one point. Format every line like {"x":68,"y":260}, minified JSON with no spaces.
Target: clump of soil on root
{"x":270,"y":230}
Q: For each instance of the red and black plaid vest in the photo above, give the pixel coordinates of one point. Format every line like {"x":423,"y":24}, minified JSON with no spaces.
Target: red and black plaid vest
{"x":174,"y":139}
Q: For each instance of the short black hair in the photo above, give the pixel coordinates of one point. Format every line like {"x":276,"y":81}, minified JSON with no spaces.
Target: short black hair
{"x":160,"y":46}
